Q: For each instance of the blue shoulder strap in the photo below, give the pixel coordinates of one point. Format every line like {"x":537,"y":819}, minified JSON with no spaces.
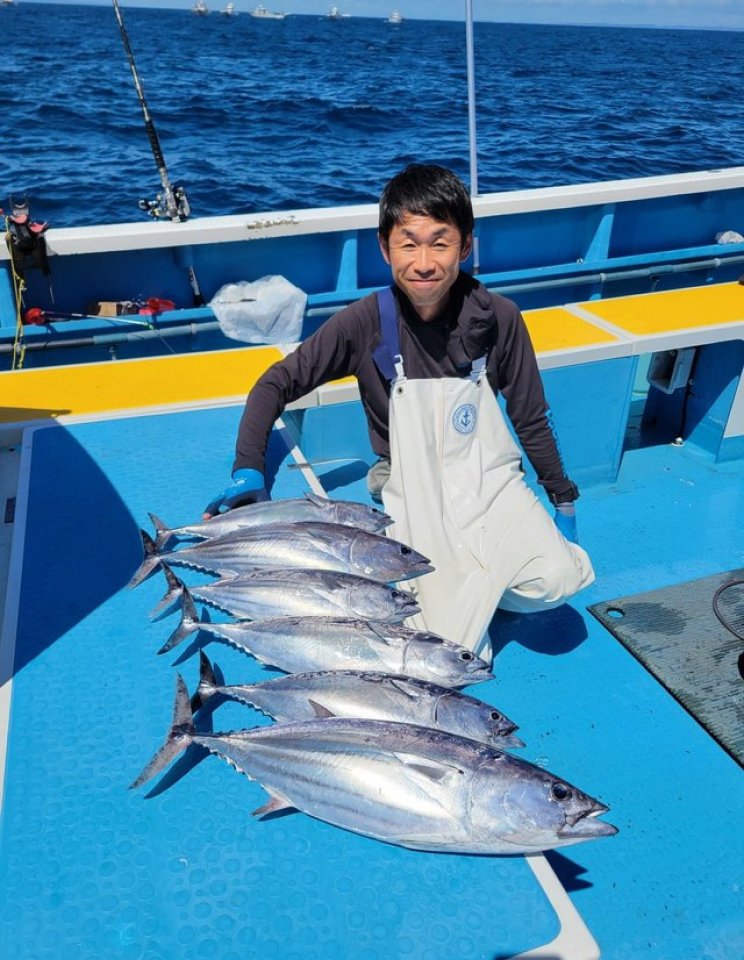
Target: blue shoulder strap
{"x":388,"y":349}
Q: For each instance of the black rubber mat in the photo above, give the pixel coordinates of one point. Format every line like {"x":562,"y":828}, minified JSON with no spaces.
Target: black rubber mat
{"x":677,"y":636}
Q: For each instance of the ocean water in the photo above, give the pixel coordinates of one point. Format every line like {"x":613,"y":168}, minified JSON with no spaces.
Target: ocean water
{"x":256,"y":116}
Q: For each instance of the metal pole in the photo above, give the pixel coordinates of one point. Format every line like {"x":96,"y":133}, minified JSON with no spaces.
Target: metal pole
{"x":471,"y":99}
{"x":472,"y":140}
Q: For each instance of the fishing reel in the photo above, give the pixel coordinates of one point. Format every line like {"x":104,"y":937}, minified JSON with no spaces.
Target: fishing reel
{"x":169,"y":205}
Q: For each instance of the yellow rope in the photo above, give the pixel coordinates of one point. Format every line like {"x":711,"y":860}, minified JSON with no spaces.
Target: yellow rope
{"x":19,"y":285}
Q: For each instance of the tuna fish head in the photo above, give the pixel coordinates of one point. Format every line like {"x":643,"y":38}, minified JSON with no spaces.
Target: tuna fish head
{"x":359,"y":515}
{"x":369,"y":600}
{"x":524,"y":806}
{"x":468,"y":717}
{"x":382,"y":558}
{"x":440,"y":661}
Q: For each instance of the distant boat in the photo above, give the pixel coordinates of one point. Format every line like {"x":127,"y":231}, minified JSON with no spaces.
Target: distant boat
{"x":395,"y":17}
{"x":7,"y":3}
{"x":261,"y":13}
{"x":335,"y":14}
{"x":200,"y":8}
{"x":230,"y":11}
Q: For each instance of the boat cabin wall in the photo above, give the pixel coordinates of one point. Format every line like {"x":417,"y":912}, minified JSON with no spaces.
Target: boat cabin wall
{"x":668,"y":223}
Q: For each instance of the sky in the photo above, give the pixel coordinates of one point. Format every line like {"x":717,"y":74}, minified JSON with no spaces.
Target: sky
{"x":705,"y":14}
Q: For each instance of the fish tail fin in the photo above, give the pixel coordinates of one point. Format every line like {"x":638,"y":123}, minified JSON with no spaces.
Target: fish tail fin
{"x":150,"y":563}
{"x":163,"y":534}
{"x":180,"y":735}
{"x":189,"y":619}
{"x":207,"y":683}
{"x":173,"y":595}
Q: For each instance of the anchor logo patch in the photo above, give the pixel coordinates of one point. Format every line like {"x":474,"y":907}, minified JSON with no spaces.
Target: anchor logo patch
{"x":464,"y":418}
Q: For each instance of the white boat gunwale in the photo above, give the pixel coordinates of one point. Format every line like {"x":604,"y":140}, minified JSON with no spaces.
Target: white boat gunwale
{"x":113,"y":237}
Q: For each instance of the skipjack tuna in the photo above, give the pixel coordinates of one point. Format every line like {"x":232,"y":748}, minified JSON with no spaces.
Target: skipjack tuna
{"x":306,"y":644}
{"x":296,"y":592}
{"x":308,"y":544}
{"x":365,"y":695}
{"x":309,"y":507}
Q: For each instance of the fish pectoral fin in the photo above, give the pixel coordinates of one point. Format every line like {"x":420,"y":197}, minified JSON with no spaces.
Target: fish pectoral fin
{"x":431,"y":769}
{"x":321,"y":535}
{"x":274,"y":804}
{"x":321,"y":712}
{"x":406,"y":689}
{"x":378,"y":630}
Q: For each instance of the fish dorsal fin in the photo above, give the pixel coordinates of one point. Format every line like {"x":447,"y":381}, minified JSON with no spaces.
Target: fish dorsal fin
{"x":321,"y":712}
{"x":314,"y":498}
{"x":426,"y":767}
{"x":274,"y":804}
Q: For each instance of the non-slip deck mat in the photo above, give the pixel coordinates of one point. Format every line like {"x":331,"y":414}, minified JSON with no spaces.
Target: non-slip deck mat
{"x":677,"y":636}
{"x":93,"y":870}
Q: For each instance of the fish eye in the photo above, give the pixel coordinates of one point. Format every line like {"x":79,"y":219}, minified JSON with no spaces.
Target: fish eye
{"x":559,"y":791}
{"x":466,"y":655}
{"x":495,"y":715}
{"x":405,"y":550}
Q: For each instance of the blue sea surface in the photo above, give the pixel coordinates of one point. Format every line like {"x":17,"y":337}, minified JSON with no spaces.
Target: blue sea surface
{"x":266,"y":115}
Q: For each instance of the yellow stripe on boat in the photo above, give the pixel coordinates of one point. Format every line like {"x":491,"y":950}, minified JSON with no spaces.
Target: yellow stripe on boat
{"x":84,"y":389}
{"x":554,"y":328}
{"x":647,"y":314}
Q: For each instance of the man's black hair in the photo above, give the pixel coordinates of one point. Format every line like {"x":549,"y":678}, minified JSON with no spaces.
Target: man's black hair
{"x":426,"y":190}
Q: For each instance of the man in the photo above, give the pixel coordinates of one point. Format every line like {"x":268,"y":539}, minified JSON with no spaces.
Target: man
{"x":449,"y":472}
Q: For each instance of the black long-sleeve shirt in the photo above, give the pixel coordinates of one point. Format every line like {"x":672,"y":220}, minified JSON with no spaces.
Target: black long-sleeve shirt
{"x":473,"y":324}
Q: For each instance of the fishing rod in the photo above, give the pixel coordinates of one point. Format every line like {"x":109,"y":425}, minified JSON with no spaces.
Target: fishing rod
{"x":176,"y":204}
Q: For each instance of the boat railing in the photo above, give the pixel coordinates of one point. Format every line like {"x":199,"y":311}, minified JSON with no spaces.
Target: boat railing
{"x":150,"y":235}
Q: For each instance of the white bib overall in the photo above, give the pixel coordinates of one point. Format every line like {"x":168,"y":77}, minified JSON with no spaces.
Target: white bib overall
{"x":457,"y":494}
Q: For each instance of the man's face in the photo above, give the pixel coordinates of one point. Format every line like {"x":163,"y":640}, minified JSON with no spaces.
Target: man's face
{"x":425,"y":257}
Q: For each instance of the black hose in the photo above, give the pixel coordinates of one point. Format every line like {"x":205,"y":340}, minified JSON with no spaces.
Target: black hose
{"x":717,"y":609}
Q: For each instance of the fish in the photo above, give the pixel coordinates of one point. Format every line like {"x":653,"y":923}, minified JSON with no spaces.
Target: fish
{"x":309,"y":543}
{"x":309,"y":507}
{"x":398,"y":783}
{"x":365,"y":694}
{"x":295,"y":592}
{"x":306,"y":644}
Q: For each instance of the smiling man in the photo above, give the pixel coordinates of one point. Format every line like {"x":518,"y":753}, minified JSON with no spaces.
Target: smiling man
{"x":431,"y":353}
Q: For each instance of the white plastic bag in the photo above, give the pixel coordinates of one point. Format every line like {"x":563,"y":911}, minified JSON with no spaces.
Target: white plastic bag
{"x":269,"y":310}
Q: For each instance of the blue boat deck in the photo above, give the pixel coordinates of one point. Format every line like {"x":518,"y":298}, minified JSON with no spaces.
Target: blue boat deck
{"x":91,"y":869}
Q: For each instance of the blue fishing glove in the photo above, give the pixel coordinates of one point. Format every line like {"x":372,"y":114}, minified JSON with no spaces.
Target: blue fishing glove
{"x":565,"y":520}
{"x":248,"y":486}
